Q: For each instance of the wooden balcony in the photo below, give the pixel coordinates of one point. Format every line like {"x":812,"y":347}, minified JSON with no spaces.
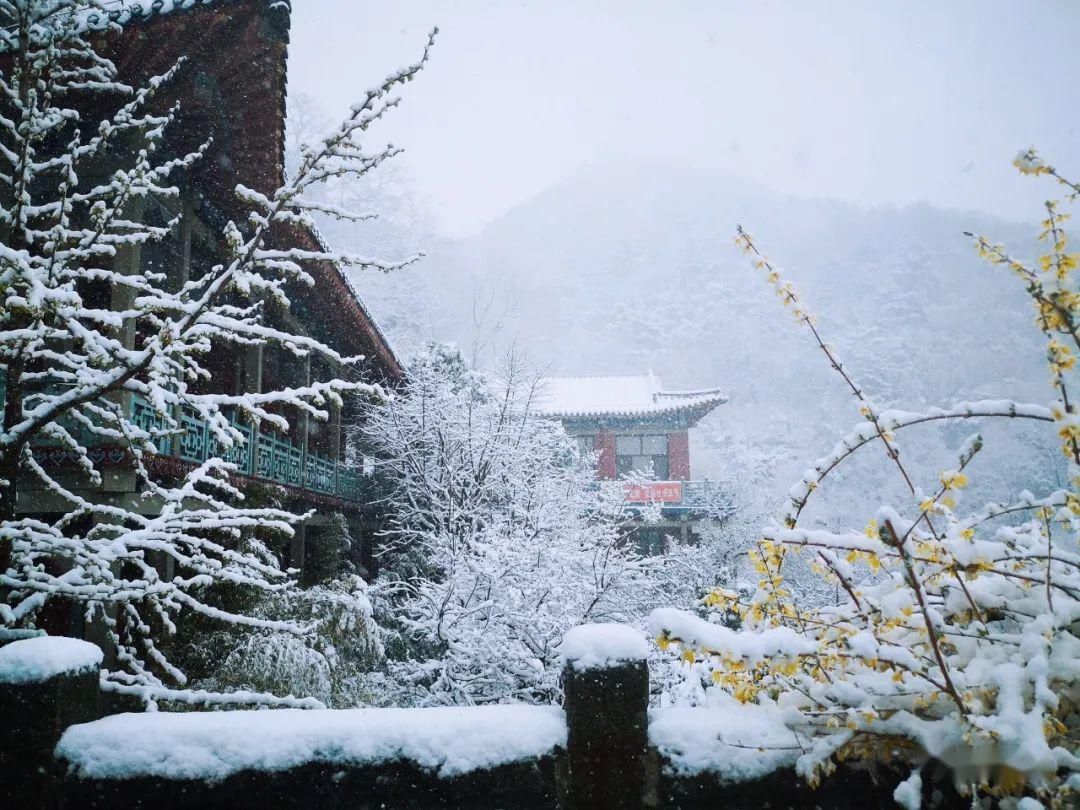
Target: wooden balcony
{"x":259,"y":455}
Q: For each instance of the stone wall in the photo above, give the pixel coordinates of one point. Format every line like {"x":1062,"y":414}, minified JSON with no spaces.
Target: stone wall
{"x":37,"y":703}
{"x":605,"y":761}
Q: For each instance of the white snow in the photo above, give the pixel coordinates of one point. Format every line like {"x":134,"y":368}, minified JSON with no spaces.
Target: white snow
{"x":908,"y":794}
{"x":751,"y":646}
{"x":737,"y":742}
{"x":211,"y":746}
{"x":127,"y":10}
{"x":589,"y":646}
{"x":617,"y":394}
{"x":44,"y":657}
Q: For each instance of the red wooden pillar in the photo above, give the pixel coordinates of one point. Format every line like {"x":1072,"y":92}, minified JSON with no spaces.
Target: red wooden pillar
{"x":604,"y":444}
{"x":678,"y":451}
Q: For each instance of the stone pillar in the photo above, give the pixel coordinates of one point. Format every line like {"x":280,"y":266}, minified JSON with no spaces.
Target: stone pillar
{"x":606,"y":698}
{"x":305,"y":420}
{"x":128,"y":261}
{"x":253,"y":370}
{"x":46,"y":684}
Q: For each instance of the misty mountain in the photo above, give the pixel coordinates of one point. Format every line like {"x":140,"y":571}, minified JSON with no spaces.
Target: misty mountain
{"x":626,"y":268}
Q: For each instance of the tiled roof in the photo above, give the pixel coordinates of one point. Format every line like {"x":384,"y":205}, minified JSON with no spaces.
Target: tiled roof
{"x":125,"y":11}
{"x":619,"y":395}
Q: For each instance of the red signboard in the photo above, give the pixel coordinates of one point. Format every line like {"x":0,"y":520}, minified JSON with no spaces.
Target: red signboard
{"x":654,"y":492}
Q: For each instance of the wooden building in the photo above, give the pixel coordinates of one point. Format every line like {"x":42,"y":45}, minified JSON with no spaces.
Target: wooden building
{"x":231,"y":91}
{"x":640,"y":430}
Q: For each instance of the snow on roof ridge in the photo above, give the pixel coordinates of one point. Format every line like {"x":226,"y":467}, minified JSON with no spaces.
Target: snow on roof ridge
{"x":125,"y":11}
{"x":618,"y":395}
{"x":690,"y":392}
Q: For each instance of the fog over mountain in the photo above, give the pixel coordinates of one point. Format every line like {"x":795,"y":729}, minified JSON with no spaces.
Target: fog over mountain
{"x":631,"y":267}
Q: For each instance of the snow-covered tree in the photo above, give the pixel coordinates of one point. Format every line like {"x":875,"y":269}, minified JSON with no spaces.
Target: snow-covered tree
{"x":954,"y":637}
{"x":499,"y":539}
{"x":329,"y":662}
{"x":412,"y":306}
{"x":79,"y":150}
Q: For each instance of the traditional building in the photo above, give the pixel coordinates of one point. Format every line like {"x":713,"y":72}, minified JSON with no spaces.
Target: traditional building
{"x":641,"y":431}
{"x":231,"y":92}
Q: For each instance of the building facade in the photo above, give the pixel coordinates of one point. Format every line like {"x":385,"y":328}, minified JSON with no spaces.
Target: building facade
{"x":640,"y":433}
{"x":231,"y":92}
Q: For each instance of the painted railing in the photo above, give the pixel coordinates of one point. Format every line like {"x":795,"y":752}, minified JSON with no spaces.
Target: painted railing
{"x":258,"y":455}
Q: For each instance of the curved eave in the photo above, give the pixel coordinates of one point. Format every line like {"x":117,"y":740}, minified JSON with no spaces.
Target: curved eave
{"x":381,"y":342}
{"x":694,"y":411}
{"x":171,"y":28}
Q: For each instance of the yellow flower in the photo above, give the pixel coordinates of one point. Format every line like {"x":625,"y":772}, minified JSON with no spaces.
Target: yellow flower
{"x":954,"y":480}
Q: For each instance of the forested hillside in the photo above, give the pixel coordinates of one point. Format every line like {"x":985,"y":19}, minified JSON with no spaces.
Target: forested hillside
{"x":626,"y":268}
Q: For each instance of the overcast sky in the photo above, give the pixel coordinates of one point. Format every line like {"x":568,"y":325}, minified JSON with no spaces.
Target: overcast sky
{"x":872,"y":102}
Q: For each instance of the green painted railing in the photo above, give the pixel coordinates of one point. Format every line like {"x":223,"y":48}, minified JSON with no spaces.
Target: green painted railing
{"x":259,"y":455}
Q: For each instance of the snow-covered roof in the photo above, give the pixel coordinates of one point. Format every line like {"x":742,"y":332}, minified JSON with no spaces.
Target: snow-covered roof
{"x":619,"y":395}
{"x":390,"y":356}
{"x":125,"y":11}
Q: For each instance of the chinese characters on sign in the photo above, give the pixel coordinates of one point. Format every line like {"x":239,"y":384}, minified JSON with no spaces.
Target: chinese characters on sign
{"x":654,"y":492}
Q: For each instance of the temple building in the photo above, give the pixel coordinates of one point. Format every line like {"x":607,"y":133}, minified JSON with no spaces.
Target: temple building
{"x":640,"y":433}
{"x":231,"y":92}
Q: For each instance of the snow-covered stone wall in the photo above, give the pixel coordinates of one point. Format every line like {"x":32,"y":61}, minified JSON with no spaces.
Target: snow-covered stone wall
{"x":602,"y":749}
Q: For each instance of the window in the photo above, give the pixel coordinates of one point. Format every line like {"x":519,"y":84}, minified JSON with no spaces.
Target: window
{"x":654,"y":445}
{"x":584,"y":444}
{"x":642,"y":454}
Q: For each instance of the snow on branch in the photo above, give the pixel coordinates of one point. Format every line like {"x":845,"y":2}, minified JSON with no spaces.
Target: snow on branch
{"x":952,"y":633}
{"x":85,"y":328}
